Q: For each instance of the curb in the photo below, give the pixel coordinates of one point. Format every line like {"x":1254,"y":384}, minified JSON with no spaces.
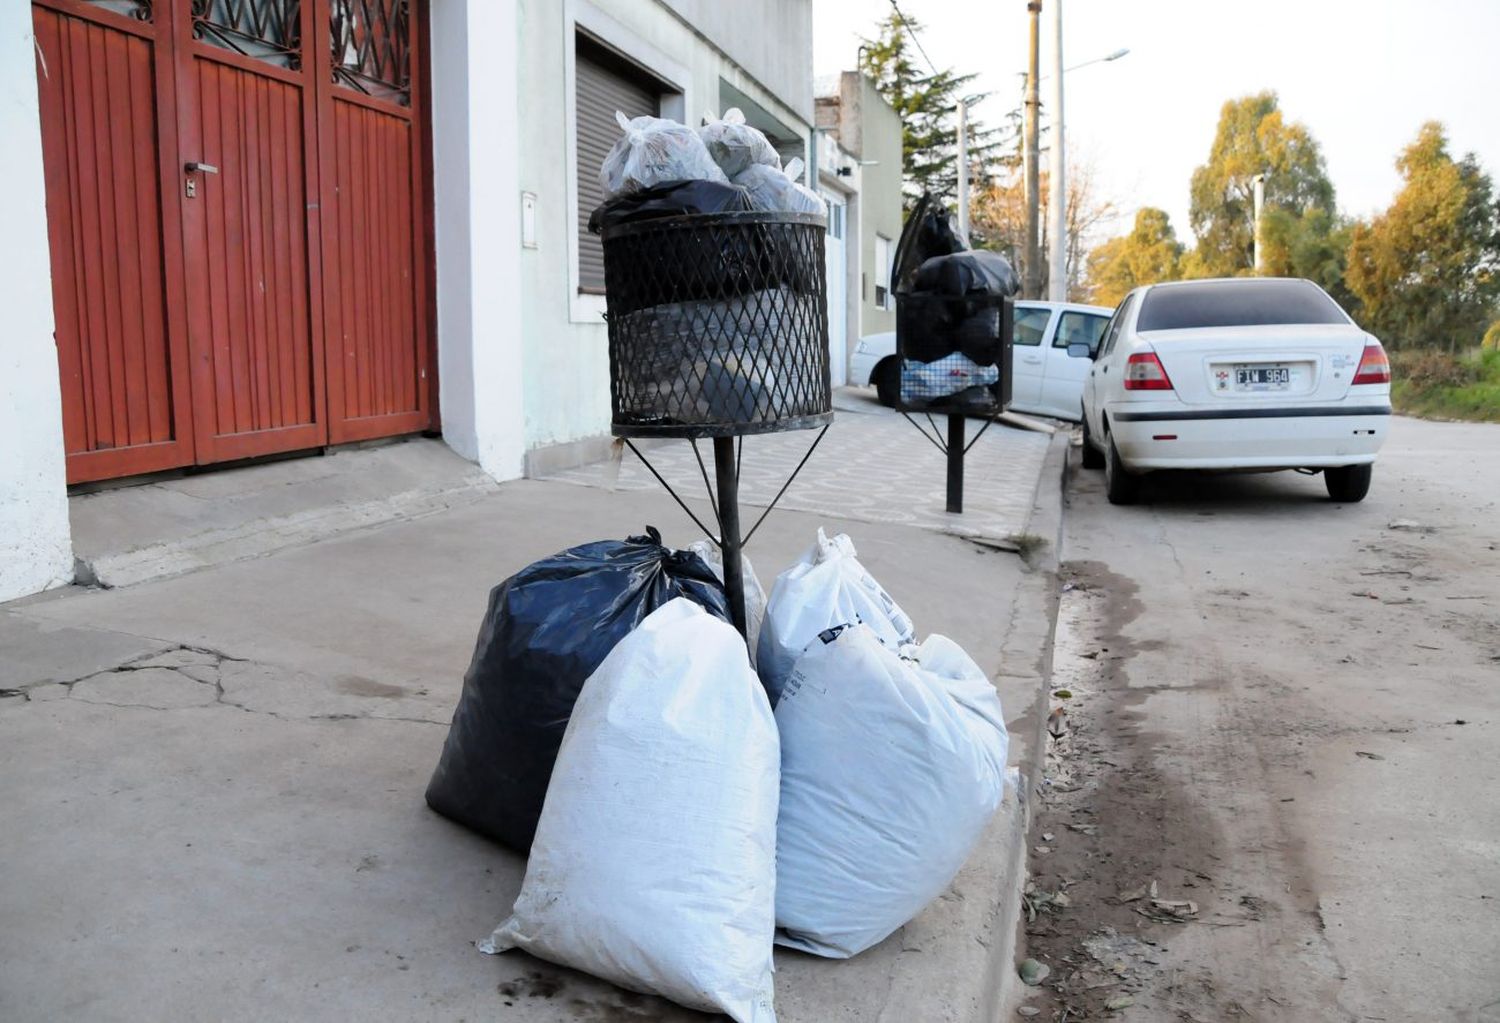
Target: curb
{"x":1029,"y":648}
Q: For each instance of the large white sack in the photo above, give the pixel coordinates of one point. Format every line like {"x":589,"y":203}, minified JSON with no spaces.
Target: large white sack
{"x":891,"y":768}
{"x":654,"y":864}
{"x":654,"y":150}
{"x":826,"y":587}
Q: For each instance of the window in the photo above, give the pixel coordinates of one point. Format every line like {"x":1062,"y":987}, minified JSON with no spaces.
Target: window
{"x":1030,"y":325}
{"x":605,"y":83}
{"x":835,"y":217}
{"x":1248,"y":303}
{"x":1080,"y":328}
{"x":882,"y":272}
{"x":1113,"y":334}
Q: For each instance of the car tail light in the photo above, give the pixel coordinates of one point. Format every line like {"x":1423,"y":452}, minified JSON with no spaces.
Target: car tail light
{"x":1144,"y":372}
{"x":1374,"y":367}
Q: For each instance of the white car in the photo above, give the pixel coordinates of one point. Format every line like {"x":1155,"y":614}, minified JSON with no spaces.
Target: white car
{"x":1045,"y":379}
{"x":1245,"y":373}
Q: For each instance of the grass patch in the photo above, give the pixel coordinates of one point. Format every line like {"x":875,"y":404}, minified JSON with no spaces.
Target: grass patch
{"x":1438,"y":385}
{"x":1027,"y":544}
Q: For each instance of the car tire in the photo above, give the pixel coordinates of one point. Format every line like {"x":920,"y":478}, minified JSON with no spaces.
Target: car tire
{"x":887,"y":380}
{"x":1093,"y":458}
{"x":1348,"y":484}
{"x":1119,"y":486}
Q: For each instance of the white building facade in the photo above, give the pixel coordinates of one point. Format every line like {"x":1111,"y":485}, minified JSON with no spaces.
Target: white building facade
{"x":225,"y":239}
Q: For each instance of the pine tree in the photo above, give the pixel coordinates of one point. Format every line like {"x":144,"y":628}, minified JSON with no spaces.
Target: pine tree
{"x":928,"y":107}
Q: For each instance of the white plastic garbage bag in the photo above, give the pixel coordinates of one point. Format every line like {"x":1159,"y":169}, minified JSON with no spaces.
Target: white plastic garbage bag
{"x":929,"y":381}
{"x":735,"y":145}
{"x":825,"y":588}
{"x":654,"y":150}
{"x":755,"y":596}
{"x":772,"y":188}
{"x":654,"y":864}
{"x":890,"y":770}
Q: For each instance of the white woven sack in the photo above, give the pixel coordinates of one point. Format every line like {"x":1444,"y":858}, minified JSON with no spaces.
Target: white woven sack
{"x":653,"y":865}
{"x":891,"y":768}
{"x":826,"y":587}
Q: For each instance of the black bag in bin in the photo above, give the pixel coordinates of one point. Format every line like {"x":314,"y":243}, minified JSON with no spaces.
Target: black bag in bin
{"x":546,"y":630}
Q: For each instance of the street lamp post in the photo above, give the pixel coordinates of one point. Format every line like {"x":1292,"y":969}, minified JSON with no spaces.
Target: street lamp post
{"x":1032,"y":287}
{"x":1057,"y":198}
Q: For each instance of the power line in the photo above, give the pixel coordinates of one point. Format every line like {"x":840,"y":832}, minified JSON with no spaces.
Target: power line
{"x":913,"y":33}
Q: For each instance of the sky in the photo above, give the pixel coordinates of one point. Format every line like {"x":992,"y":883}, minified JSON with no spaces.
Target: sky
{"x":1361,"y":75}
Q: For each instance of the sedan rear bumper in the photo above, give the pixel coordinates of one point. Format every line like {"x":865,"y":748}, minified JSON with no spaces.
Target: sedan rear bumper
{"x":1274,"y":437}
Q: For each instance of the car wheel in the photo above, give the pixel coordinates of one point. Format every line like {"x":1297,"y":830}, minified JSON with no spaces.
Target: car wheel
{"x":1348,"y":484}
{"x":887,"y":378}
{"x":1119,"y":485}
{"x":1093,"y":458}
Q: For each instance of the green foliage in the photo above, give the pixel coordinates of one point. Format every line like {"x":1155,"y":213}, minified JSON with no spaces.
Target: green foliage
{"x":928,"y":106}
{"x":1253,"y":138}
{"x":1442,"y":385}
{"x":1149,"y":253}
{"x":1427,"y":270}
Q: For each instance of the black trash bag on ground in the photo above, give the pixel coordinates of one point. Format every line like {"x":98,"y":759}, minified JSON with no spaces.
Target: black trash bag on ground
{"x":547,"y":628}
{"x":670,"y":199}
{"x":977,"y":271}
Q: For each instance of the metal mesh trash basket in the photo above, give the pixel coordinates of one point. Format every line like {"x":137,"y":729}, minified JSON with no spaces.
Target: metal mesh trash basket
{"x":718,"y":324}
{"x":949,"y":345}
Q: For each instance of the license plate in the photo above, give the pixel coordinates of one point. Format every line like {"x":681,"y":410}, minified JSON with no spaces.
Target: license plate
{"x":1262,"y":378}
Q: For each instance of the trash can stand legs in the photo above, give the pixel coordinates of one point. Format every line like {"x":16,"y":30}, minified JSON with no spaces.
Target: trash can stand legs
{"x":726,"y":506}
{"x":953,"y":450}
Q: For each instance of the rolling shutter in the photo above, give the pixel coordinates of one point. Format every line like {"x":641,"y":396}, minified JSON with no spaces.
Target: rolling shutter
{"x":604,"y":85}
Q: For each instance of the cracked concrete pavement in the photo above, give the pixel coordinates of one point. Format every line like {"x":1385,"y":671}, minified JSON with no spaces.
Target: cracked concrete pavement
{"x":213,"y":797}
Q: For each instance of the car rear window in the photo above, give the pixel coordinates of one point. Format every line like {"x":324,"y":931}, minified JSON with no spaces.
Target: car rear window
{"x":1236,"y":304}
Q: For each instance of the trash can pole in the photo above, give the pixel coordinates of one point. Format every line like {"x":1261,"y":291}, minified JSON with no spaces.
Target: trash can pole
{"x":729,"y":530}
{"x":956,"y":464}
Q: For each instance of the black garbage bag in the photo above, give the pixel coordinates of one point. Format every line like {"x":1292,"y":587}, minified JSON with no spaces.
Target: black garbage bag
{"x":547,"y":628}
{"x":977,"y":271}
{"x":670,"y":199}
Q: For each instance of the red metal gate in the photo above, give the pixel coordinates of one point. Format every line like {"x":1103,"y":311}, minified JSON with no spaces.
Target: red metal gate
{"x":235,"y":201}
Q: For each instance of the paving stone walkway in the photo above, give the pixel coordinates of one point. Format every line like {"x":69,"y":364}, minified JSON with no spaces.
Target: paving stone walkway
{"x":873,"y":466}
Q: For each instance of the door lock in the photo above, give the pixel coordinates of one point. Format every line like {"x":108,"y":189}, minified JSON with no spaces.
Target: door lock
{"x":191,"y":170}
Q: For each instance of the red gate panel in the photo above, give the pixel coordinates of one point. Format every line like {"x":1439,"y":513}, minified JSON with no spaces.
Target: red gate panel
{"x":251,"y":242}
{"x":373,"y":250}
{"x":111,"y":242}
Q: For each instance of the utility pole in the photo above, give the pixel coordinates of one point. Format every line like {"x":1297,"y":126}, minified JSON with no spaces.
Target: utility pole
{"x":1057,"y":200}
{"x":963,"y":167}
{"x":1032,"y":284}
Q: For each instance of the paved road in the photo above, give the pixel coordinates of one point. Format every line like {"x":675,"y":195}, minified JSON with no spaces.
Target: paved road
{"x":1286,"y":712}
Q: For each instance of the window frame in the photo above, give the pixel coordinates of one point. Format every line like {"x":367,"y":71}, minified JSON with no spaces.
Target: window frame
{"x":580,"y":16}
{"x":1116,"y":326}
{"x":883,"y":270}
{"x":1016,"y":323}
{"x":1057,"y":335}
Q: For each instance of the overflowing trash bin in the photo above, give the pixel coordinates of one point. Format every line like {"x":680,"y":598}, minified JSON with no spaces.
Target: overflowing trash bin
{"x":676,"y":752}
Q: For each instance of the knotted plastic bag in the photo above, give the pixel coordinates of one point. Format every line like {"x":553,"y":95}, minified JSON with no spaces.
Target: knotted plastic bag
{"x":827,"y":587}
{"x":892,"y":764}
{"x":735,"y":145}
{"x":654,"y":150}
{"x":654,"y":865}
{"x":546,"y":629}
{"x":776,"y":189}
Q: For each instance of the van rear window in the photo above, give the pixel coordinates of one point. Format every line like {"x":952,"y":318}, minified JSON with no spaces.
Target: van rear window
{"x":1247,"y":303}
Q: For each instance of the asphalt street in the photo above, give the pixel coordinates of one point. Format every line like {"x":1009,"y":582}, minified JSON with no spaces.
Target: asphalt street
{"x":1284,"y":713}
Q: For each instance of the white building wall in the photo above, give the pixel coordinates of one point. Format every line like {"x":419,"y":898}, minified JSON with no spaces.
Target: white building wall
{"x":566,"y":362}
{"x":476,"y":203}
{"x":35,"y":548}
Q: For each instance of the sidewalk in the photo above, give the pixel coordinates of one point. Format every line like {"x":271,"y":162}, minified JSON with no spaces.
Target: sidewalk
{"x":213,"y":800}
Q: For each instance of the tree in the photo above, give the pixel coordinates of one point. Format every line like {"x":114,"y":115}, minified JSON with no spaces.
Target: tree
{"x":997,"y":218}
{"x":928,"y":107}
{"x":1149,"y":253}
{"x":1427,"y":270}
{"x":1253,"y":138}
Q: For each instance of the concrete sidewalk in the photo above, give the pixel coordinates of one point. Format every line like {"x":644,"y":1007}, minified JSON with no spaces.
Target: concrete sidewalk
{"x":213,"y":800}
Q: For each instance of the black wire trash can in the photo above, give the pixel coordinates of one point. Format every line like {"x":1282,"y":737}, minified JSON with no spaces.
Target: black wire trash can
{"x":718,"y":328}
